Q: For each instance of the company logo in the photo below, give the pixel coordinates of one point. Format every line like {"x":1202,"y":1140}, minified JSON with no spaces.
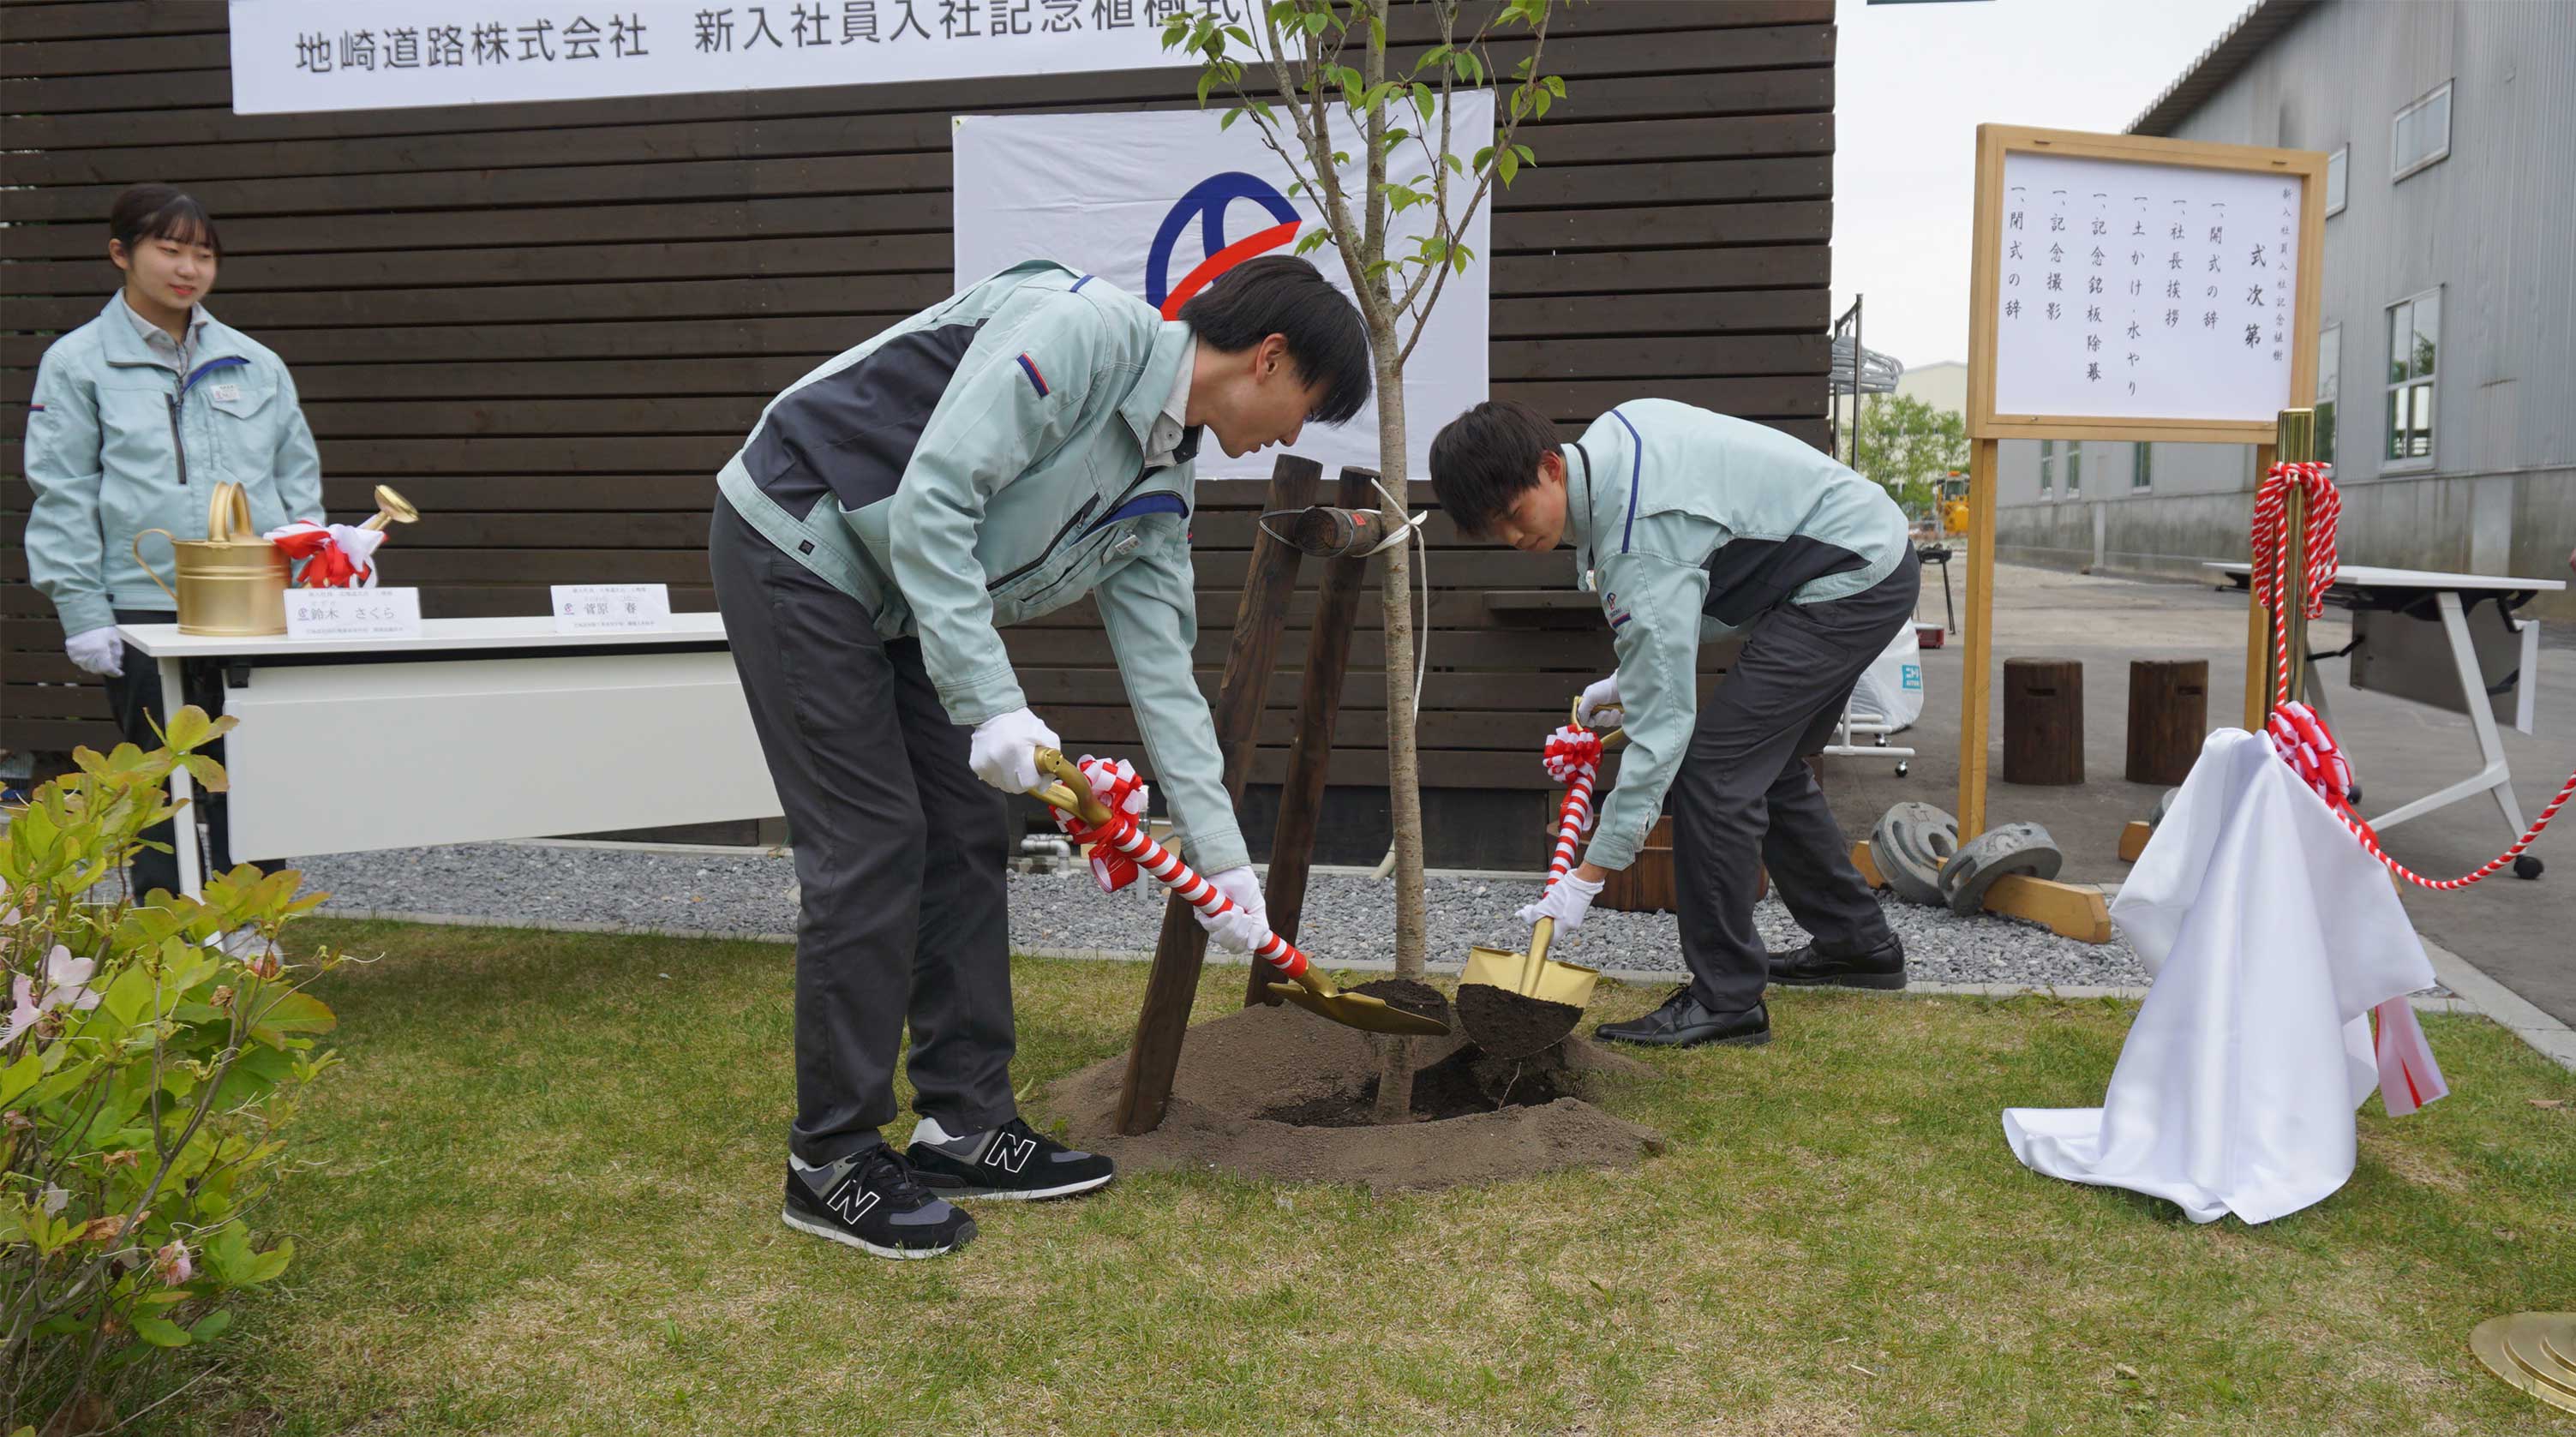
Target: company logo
{"x":1206,"y":203}
{"x":852,"y":1200}
{"x":1011,"y":1154}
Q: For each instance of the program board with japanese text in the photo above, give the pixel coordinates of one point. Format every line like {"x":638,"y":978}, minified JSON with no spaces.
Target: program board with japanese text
{"x":2135,"y":288}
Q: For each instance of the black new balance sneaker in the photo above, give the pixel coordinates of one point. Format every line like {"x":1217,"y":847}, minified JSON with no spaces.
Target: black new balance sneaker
{"x":1013,"y":1162}
{"x":873,"y":1202}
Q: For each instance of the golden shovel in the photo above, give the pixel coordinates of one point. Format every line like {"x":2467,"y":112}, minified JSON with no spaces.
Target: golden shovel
{"x":1518,"y":1003}
{"x":1306,"y":988}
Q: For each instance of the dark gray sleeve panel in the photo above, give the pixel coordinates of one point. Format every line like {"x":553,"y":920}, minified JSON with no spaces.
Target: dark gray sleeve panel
{"x":852,"y":433}
{"x":1747,"y":577}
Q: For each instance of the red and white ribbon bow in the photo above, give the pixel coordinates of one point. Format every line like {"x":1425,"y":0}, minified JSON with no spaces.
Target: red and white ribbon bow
{"x":335,"y":556}
{"x":1119,"y":789}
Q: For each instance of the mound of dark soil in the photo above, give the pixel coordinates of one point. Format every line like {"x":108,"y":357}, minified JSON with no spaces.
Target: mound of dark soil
{"x":1280,"y":1093}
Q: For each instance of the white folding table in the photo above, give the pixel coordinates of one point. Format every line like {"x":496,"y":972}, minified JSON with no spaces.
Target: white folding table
{"x":2452,"y":594}
{"x":479,"y":729}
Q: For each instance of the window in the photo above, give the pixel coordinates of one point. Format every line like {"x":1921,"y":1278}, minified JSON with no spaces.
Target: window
{"x":2414,"y":336}
{"x":2142,"y":467}
{"x":2047,"y":462}
{"x":2421,"y":134}
{"x":2329,"y":384}
{"x":2336,"y":165}
{"x":2074,"y":467}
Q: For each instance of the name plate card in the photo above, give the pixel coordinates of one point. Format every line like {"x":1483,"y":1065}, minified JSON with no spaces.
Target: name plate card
{"x":353,"y":613}
{"x":611,"y":608}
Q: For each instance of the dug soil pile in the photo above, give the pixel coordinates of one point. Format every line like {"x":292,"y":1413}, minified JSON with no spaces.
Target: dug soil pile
{"x":1280,"y":1093}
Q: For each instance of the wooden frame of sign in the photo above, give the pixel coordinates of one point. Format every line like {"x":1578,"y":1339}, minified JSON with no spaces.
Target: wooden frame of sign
{"x":2247,"y":415}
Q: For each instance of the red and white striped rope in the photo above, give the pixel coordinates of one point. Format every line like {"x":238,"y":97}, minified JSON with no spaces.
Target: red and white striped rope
{"x":2309,"y":748}
{"x":1128,"y":837}
{"x":1571,"y":819}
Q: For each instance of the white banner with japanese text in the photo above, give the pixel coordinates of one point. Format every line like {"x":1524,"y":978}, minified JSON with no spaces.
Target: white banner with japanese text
{"x":314,"y":55}
{"x":1162,"y":202}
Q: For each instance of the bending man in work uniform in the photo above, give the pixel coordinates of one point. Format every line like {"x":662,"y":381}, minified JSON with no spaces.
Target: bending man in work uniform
{"x":1693,"y":525}
{"x":989,"y":460}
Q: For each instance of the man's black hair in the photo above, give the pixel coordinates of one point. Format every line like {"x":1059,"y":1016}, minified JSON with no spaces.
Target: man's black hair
{"x":1284,"y":295}
{"x":148,"y":212}
{"x":1485,"y":459}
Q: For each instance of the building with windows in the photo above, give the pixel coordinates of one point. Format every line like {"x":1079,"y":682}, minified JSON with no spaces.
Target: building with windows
{"x":2446,"y":375}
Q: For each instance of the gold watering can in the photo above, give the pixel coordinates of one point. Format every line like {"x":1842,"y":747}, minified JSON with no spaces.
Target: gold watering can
{"x":232,"y":582}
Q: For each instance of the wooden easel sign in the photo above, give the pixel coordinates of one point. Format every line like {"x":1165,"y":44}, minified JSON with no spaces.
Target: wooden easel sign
{"x":2126,"y":288}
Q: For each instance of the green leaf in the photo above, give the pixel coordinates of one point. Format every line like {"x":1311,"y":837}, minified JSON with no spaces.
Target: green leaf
{"x":161,"y":1332}
{"x":1423,"y":101}
{"x":129,"y":997}
{"x":291,"y":1013}
{"x":188,"y":728}
{"x":272,"y":1262}
{"x":1207,"y":82}
{"x":208,"y":774}
{"x":1230,"y":117}
{"x":211,"y":1326}
{"x":21,"y":1075}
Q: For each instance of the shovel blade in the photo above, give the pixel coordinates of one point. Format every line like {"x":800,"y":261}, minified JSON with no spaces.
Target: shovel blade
{"x":1359,"y":1010}
{"x":1554,"y":982}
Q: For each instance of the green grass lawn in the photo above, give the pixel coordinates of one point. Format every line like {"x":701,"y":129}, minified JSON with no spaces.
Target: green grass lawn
{"x":545,"y":1201}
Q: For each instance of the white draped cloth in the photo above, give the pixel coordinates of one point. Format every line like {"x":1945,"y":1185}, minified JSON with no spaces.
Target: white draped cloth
{"x":2271,"y":937}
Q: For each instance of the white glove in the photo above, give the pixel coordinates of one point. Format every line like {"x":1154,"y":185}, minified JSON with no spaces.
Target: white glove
{"x":1567,"y":900}
{"x":1004,"y":750}
{"x":99,"y":651}
{"x":1602,"y":695}
{"x":1248,"y":922}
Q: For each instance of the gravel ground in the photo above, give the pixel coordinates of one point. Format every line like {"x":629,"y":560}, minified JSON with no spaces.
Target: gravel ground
{"x":1348,"y":917}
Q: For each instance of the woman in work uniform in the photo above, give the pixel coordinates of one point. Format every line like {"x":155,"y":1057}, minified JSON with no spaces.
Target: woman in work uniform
{"x":1694,"y":526}
{"x":990,"y":460}
{"x":136,"y":417}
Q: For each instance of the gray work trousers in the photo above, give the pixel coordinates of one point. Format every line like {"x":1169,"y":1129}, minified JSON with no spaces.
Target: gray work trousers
{"x":1744,"y":792}
{"x":900,"y":850}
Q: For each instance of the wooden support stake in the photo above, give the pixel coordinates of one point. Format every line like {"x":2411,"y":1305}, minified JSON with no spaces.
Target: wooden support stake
{"x":1976,"y":657}
{"x":1259,"y":618}
{"x":2070,"y":910}
{"x":1319,"y":705}
{"x":2133,"y":839}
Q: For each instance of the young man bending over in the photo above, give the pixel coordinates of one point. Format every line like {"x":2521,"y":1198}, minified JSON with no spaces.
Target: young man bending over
{"x":1692,"y":525}
{"x":989,"y":460}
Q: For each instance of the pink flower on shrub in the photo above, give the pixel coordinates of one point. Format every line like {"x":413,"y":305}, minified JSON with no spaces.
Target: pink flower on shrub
{"x":23,"y":1010}
{"x":173,"y":1264}
{"x":68,"y":979}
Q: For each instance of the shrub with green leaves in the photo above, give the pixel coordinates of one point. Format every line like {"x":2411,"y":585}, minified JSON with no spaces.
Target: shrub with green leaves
{"x":152,"y":1050}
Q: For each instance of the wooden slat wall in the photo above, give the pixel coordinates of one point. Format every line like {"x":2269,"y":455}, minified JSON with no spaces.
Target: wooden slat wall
{"x":550,"y":324}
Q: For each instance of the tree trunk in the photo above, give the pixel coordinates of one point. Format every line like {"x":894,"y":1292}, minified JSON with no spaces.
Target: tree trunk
{"x":1403,"y":771}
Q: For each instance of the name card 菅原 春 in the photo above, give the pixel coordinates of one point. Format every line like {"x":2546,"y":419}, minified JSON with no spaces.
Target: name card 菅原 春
{"x":611,"y":608}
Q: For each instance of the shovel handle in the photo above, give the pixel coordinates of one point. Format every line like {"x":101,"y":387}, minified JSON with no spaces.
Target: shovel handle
{"x":1072,"y":793}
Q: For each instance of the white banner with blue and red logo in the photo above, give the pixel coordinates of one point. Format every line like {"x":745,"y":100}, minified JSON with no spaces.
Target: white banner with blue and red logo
{"x":1161,"y":203}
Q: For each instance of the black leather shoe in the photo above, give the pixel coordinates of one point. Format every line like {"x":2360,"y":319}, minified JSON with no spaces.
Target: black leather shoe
{"x":1813,"y":966}
{"x":1685,"y":1022}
